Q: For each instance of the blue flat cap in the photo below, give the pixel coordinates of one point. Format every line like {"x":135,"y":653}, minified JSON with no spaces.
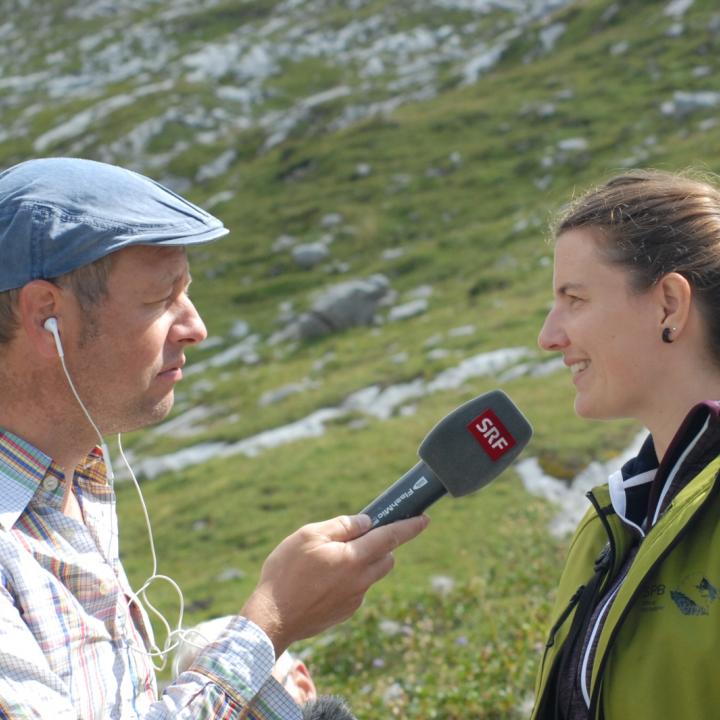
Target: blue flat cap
{"x":58,"y":214}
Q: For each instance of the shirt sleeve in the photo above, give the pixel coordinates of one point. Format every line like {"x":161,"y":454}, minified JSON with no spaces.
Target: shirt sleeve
{"x":230,"y":678}
{"x":28,"y":687}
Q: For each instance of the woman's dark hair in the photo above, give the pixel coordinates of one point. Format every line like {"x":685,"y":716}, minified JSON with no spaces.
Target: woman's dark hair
{"x":653,"y":223}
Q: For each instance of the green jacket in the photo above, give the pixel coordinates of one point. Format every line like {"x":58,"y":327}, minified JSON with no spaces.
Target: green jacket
{"x":658,"y":654}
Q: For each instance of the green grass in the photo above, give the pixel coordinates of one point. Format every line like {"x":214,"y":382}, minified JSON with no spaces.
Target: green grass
{"x":475,"y":230}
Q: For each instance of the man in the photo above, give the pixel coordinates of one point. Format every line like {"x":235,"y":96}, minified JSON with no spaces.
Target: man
{"x":94,"y":322}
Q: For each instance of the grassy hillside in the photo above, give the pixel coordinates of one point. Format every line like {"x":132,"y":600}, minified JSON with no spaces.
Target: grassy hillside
{"x":463,"y":183}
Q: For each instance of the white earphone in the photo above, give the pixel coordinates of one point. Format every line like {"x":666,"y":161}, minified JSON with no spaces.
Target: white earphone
{"x":51,"y":326}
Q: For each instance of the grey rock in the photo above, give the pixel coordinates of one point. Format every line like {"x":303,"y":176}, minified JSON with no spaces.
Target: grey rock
{"x":610,"y":13}
{"x":283,"y":242}
{"x":244,"y":351}
{"x":685,"y":103}
{"x":506,"y":262}
{"x":186,"y":424}
{"x":421,"y":291}
{"x":392,"y":253}
{"x":212,"y":342}
{"x":362,"y":170}
{"x":331,"y":220}
{"x":217,"y":167}
{"x":272,"y":397}
{"x":338,"y":267}
{"x":309,"y":255}
{"x":399,"y":358}
{"x":551,"y":34}
{"x":320,"y":364}
{"x":573,"y":145}
{"x":230,"y":574}
{"x":462,"y":331}
{"x":408,"y":309}
{"x":677,"y":8}
{"x":240,"y":329}
{"x":222,"y":197}
{"x":342,"y":306}
{"x":487,"y":57}
{"x":438,"y":354}
{"x":540,"y":110}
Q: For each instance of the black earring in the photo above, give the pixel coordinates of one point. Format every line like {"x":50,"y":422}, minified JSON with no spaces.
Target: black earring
{"x":666,"y":334}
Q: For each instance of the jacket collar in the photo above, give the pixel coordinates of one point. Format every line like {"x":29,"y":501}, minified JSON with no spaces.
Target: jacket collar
{"x":641,"y":491}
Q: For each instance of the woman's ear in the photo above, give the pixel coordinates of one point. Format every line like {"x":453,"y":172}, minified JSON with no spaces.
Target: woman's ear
{"x":38,"y":301}
{"x":674,"y":296}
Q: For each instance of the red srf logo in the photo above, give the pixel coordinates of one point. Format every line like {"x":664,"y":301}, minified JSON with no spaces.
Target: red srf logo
{"x":492,"y":435}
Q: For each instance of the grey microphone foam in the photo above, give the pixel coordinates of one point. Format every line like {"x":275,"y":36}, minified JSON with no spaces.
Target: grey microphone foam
{"x":465,"y":451}
{"x":474,"y":443}
{"x":327,"y":707}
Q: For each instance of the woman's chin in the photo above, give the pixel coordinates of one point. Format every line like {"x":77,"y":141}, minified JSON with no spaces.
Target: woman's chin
{"x":590,"y":409}
{"x":586,"y":408}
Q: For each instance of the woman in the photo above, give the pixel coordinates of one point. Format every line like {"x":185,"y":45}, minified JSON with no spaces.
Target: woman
{"x":636,"y":316}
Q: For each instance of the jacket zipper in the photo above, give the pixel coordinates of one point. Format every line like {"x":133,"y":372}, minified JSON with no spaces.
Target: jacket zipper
{"x":612,"y":547}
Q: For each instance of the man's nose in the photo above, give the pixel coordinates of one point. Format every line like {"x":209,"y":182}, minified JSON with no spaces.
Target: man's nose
{"x":190,"y":327}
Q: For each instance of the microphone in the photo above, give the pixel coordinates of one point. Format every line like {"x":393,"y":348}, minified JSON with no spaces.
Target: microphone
{"x":327,"y":707}
{"x":465,"y":451}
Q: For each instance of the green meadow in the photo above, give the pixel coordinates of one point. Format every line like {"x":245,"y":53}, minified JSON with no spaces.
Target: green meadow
{"x":465,"y":183}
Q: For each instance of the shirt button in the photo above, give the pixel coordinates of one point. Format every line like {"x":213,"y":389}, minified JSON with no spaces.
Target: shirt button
{"x":50,"y":483}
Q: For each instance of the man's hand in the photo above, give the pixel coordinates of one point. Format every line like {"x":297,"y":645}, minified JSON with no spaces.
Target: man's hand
{"x":317,"y":577}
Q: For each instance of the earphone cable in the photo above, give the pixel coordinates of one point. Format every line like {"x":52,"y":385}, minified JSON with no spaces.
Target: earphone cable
{"x":140,"y":597}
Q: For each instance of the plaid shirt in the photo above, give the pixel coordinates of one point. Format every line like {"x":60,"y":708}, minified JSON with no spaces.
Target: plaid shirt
{"x":68,"y":635}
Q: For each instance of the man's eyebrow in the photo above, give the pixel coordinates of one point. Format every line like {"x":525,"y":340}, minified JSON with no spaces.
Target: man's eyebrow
{"x":172,"y":278}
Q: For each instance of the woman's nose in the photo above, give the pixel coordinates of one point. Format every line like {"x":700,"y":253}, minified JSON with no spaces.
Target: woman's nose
{"x":552,"y":336}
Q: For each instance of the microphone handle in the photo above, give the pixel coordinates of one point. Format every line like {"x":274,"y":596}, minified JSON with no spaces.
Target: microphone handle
{"x":415,"y":491}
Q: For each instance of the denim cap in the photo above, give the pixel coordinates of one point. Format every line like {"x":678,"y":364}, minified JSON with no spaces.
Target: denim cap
{"x":58,"y":214}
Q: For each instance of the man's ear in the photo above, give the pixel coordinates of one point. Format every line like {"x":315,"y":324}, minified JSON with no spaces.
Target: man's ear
{"x":674,"y":296}
{"x":38,"y":301}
